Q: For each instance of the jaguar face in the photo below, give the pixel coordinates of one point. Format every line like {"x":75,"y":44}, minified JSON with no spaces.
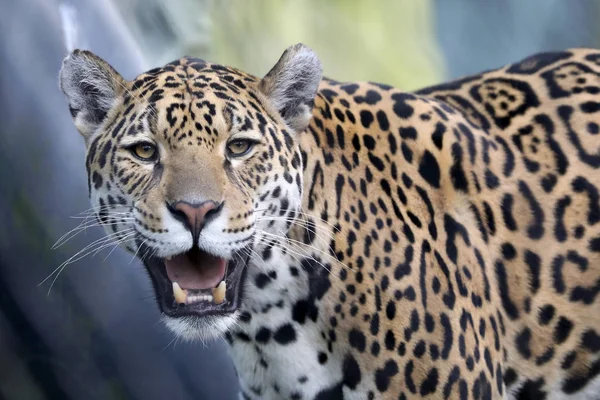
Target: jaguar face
{"x":192,"y":167}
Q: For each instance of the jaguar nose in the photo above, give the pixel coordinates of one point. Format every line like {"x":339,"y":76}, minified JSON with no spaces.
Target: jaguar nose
{"x":194,"y":215}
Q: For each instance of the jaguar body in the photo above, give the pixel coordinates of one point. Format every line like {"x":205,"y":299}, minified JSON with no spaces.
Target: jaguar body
{"x":351,"y":240}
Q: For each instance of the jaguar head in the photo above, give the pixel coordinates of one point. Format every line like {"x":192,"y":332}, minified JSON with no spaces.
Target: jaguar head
{"x":191,"y":167}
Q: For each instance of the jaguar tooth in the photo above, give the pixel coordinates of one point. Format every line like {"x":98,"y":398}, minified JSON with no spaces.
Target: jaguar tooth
{"x":179,"y":293}
{"x":219,"y":293}
{"x":192,"y":299}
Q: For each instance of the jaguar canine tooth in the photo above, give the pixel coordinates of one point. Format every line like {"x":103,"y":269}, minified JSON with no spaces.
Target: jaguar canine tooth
{"x":179,"y":293}
{"x":219,"y":293}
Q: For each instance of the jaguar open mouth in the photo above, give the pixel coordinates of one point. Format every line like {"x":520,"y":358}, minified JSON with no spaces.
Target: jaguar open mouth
{"x":196,"y":283}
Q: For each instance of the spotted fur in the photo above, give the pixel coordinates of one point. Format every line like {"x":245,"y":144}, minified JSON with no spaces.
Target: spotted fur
{"x":443,"y":244}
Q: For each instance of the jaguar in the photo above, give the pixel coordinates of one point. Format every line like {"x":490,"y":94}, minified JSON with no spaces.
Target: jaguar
{"x":356,"y":241}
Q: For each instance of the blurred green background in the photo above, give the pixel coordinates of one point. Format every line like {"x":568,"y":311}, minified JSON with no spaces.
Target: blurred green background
{"x":406,"y":43}
{"x":96,"y":335}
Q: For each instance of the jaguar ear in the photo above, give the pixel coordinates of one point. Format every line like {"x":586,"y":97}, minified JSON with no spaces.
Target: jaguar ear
{"x":292,"y":85}
{"x":91,"y":85}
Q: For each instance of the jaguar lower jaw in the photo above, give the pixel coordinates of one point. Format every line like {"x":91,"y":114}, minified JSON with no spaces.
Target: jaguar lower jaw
{"x":176,"y":300}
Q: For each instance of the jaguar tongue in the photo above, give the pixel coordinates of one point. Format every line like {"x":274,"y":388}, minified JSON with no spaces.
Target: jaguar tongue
{"x":196,"y":269}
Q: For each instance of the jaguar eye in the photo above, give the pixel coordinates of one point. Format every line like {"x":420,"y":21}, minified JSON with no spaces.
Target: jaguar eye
{"x":240,"y":147}
{"x":144,"y":151}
